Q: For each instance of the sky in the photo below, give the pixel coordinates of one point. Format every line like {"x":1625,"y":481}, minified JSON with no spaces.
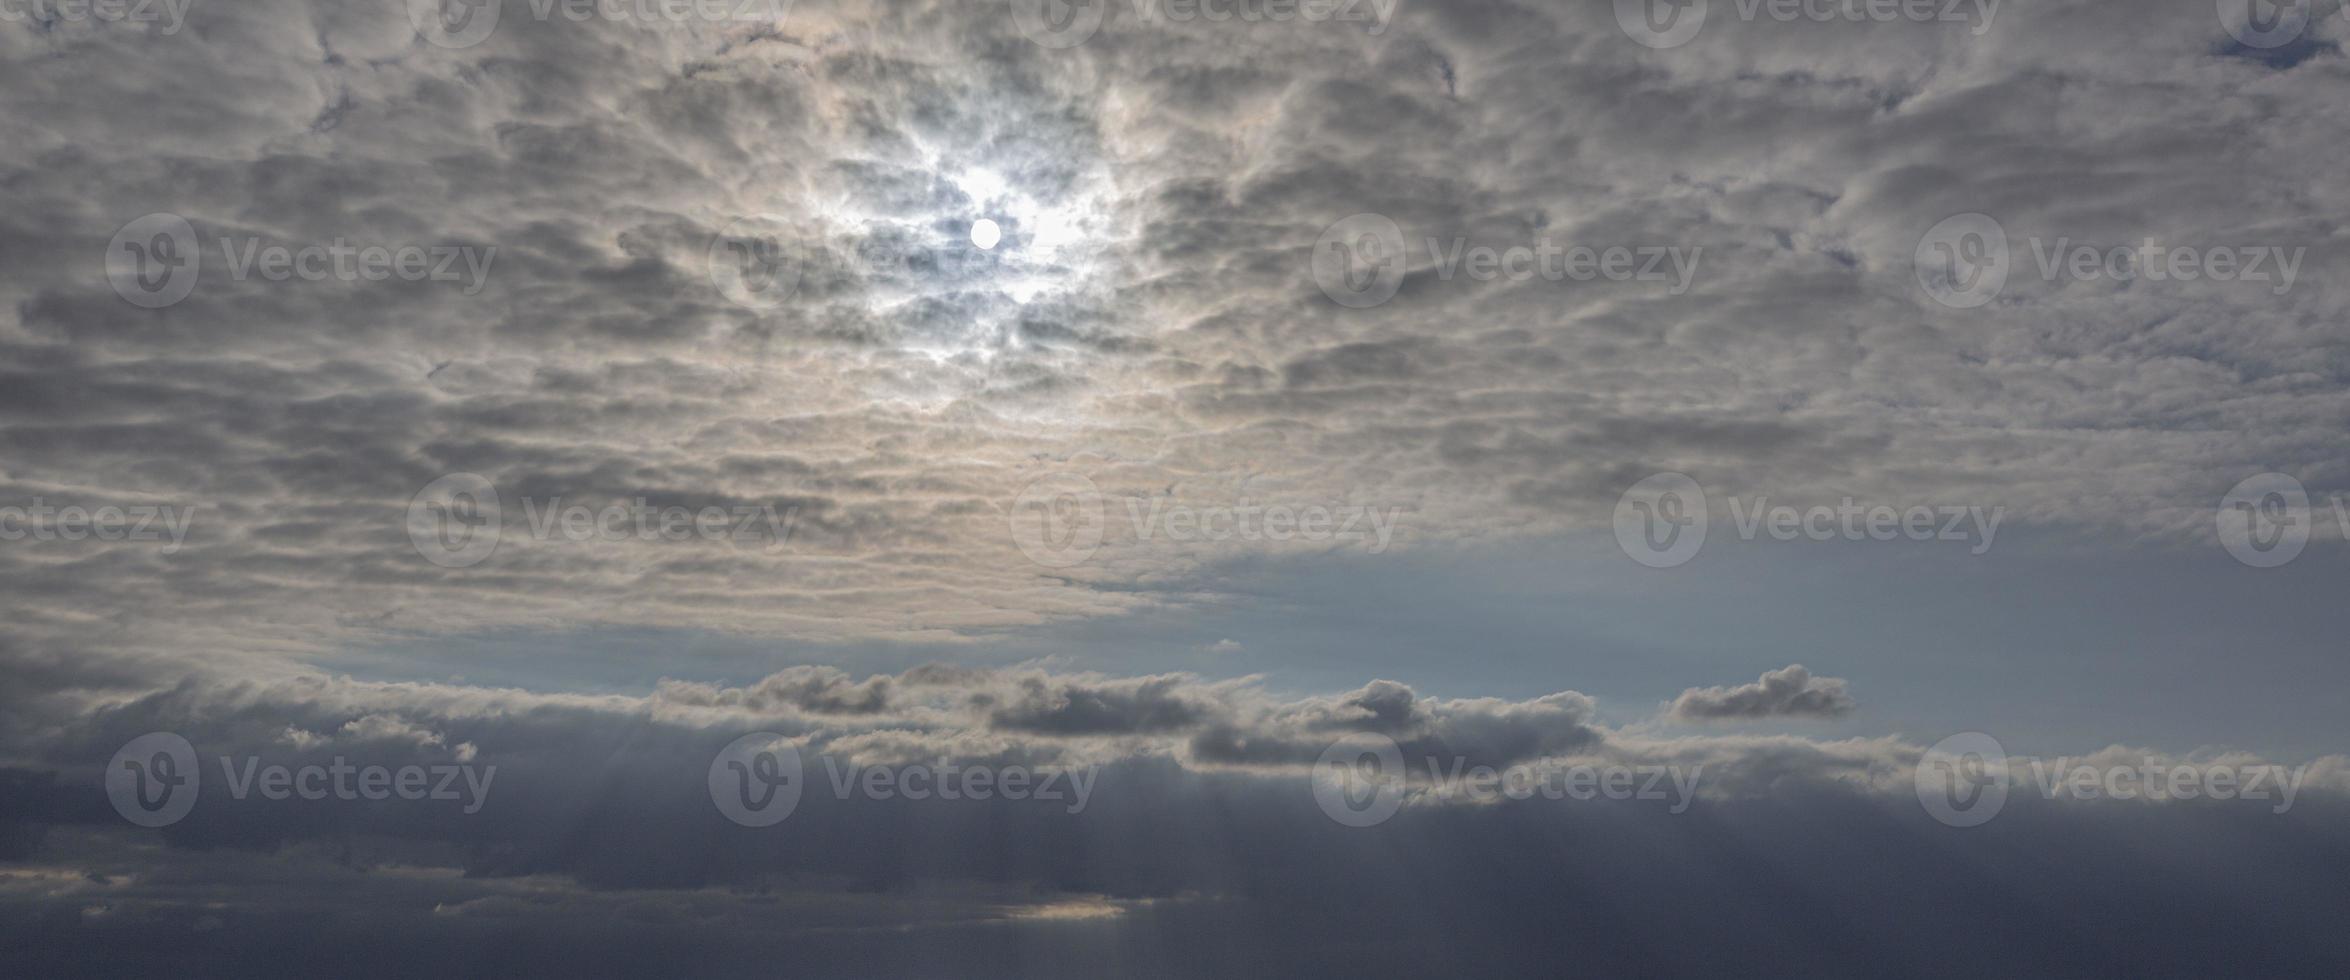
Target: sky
{"x":1866,"y":482}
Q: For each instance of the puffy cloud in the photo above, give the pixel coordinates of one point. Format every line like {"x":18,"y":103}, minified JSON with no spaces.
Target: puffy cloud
{"x":1789,"y":692}
{"x":1020,"y":715}
{"x":814,"y":690}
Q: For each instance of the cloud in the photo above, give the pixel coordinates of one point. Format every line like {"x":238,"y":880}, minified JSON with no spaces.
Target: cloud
{"x":1151,"y":324}
{"x":812,"y":689}
{"x":1789,"y":692}
{"x":1142,"y":705}
{"x":1018,"y":715}
{"x":599,"y":840}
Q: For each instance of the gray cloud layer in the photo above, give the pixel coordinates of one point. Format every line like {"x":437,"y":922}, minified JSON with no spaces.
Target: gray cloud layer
{"x":1152,"y":326}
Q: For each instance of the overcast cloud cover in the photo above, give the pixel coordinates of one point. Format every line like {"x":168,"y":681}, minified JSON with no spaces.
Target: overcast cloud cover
{"x":1015,"y":506}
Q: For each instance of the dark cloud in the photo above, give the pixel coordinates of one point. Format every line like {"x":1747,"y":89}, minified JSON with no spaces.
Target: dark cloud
{"x":597,"y":839}
{"x":606,"y":866}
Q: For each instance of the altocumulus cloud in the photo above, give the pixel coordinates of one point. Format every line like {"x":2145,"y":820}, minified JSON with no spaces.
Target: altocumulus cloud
{"x":1150,"y":322}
